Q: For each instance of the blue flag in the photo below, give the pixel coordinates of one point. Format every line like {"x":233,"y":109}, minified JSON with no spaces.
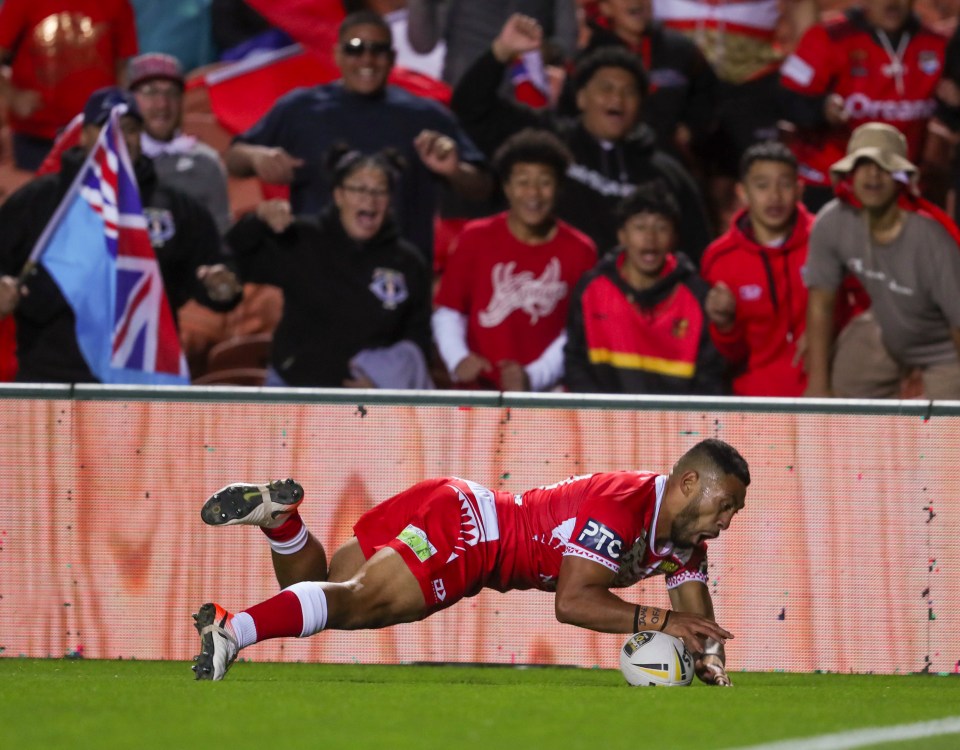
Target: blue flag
{"x":97,"y":249}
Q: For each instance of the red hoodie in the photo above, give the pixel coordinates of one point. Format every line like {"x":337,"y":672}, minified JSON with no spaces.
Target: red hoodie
{"x":771,"y":306}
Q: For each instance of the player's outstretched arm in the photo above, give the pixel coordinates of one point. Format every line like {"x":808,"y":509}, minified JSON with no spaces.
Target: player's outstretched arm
{"x":691,"y":606}
{"x":584,"y":598}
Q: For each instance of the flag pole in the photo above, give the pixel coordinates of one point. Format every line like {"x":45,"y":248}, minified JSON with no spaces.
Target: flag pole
{"x":51,"y":227}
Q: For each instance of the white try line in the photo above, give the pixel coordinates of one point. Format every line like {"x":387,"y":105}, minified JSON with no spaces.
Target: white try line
{"x":865,"y":737}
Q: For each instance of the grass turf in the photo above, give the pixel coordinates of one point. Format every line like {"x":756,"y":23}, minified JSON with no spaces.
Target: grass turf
{"x":129,"y":704}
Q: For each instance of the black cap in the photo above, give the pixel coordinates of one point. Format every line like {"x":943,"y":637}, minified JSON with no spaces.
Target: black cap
{"x":102,"y":101}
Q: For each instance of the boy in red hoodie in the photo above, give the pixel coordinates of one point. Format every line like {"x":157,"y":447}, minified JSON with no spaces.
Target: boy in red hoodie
{"x":757,"y":306}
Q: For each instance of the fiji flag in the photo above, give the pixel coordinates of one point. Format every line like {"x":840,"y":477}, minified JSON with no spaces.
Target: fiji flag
{"x":97,"y":249}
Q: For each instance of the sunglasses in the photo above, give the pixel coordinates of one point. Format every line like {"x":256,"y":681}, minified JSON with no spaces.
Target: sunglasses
{"x":356,"y":47}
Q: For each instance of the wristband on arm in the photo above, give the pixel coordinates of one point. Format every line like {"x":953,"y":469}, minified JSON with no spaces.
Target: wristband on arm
{"x":650,"y":618}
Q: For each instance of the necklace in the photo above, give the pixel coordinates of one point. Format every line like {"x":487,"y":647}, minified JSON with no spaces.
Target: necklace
{"x":895,"y":69}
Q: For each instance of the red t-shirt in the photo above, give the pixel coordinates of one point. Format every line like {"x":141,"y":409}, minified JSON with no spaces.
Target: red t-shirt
{"x":66,"y":50}
{"x":845,"y":58}
{"x":515,"y":295}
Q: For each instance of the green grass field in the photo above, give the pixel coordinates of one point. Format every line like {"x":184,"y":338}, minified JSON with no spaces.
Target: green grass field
{"x":129,"y":704}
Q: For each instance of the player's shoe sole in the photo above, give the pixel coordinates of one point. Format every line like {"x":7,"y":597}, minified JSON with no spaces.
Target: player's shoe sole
{"x":264,"y":505}
{"x":218,"y":647}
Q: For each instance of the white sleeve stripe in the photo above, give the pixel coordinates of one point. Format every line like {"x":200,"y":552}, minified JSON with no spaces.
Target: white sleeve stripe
{"x":797,"y":70}
{"x":576,"y":551}
{"x":684,"y":576}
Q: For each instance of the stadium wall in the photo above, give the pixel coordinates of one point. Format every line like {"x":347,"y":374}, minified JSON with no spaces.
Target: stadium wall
{"x":844,"y":560}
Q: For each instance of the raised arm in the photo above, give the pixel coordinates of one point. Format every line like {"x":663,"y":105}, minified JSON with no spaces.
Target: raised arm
{"x":486,"y":116}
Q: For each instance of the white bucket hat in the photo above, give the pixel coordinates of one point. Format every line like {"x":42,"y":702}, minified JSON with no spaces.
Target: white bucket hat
{"x":881,"y":143}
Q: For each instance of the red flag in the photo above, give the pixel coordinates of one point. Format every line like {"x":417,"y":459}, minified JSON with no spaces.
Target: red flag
{"x":242,"y":92}
{"x":314,"y":23}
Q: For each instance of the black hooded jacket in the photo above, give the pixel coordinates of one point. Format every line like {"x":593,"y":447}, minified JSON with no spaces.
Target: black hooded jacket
{"x":340,"y":296}
{"x":602,"y":173}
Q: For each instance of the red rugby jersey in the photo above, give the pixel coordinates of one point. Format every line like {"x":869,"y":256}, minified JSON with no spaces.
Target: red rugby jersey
{"x":878,"y":82}
{"x":608,"y":518}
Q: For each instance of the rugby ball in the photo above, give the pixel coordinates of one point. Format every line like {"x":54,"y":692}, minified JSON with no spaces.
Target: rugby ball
{"x":652,"y":658}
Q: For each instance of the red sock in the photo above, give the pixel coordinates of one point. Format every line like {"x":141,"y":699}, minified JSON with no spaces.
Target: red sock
{"x":287,"y":530}
{"x":277,"y":617}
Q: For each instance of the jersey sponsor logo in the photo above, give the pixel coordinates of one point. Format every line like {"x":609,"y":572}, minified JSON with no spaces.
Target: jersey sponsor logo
{"x":389,"y":286}
{"x":416,"y":539}
{"x":797,"y":70}
{"x":596,"y":536}
{"x":751,"y":292}
{"x":535,"y":296}
{"x":668,"y":566}
{"x":439,"y":590}
{"x":862,"y":107}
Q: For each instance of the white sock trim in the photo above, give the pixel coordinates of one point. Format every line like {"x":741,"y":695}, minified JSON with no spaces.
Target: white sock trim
{"x":244,"y":629}
{"x":313,"y":605}
{"x":292,"y":545}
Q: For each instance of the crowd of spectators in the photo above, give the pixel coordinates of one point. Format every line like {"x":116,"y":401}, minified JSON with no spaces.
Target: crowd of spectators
{"x":749,"y":197}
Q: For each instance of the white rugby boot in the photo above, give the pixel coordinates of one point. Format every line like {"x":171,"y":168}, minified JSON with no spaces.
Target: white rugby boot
{"x":265,"y":505}
{"x":218,"y":646}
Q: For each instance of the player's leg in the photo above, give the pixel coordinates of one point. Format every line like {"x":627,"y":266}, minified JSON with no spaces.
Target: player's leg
{"x":346,"y":561}
{"x":409,"y":540}
{"x":382,"y":592}
{"x":296,"y":554}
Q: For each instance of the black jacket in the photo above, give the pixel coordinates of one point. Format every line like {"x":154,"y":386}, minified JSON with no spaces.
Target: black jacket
{"x":600,"y":177}
{"x":183,"y":234}
{"x":340,"y":296}
{"x":683,"y":86}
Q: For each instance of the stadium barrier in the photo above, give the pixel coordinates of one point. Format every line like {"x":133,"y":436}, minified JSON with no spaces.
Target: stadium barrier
{"x":845,"y":558}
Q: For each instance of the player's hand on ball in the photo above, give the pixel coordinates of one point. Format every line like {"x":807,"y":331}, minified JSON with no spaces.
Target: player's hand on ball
{"x":693,"y":630}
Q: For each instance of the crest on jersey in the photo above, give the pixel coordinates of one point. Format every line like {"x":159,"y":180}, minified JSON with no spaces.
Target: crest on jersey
{"x":160,"y":225}
{"x":929,"y":62}
{"x":389,"y":286}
